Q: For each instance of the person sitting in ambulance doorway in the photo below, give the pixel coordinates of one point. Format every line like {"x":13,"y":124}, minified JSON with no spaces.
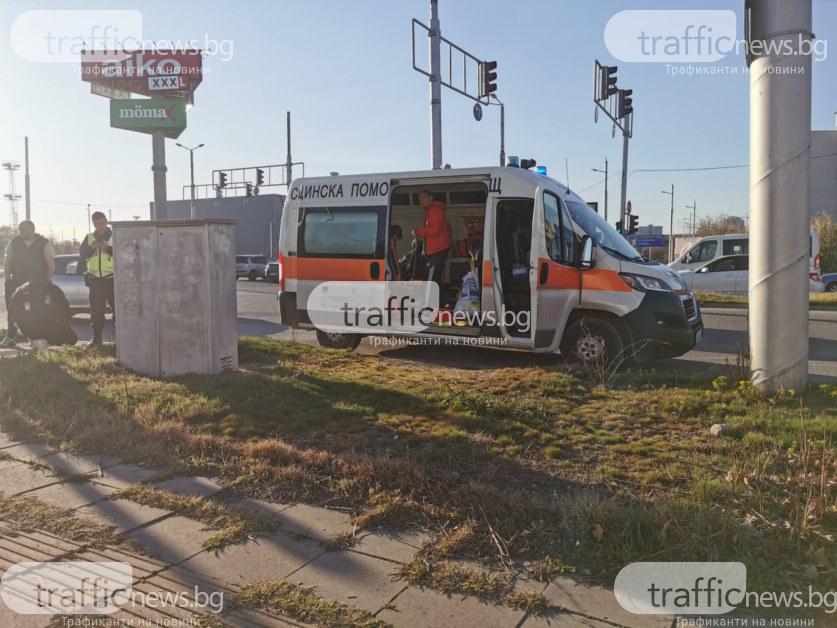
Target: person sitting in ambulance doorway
{"x":436,"y":234}
{"x":393,"y":262}
{"x":29,"y":257}
{"x":97,"y":250}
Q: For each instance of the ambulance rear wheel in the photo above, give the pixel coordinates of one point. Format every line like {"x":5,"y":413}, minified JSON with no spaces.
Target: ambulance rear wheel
{"x":593,"y":340}
{"x":338,"y":341}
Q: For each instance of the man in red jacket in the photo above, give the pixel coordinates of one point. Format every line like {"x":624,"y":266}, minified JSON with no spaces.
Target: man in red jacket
{"x":436,"y":233}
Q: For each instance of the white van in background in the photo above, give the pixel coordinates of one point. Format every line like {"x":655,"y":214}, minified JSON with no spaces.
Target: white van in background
{"x":714,"y":247}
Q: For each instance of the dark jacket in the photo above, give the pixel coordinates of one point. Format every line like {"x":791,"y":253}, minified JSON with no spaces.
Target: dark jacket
{"x":28,"y":262}
{"x":41,"y":311}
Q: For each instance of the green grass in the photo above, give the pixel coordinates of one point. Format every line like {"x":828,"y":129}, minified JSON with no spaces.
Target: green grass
{"x":535,"y":456}
{"x":822,"y":299}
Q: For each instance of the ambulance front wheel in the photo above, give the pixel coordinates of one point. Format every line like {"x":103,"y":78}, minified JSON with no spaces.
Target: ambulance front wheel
{"x":593,"y":340}
{"x":338,"y":341}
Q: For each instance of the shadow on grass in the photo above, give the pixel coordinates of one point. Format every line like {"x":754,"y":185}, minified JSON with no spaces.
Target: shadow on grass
{"x":254,"y":430}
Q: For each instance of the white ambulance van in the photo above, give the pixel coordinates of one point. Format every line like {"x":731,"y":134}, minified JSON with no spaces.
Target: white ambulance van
{"x":539,"y":251}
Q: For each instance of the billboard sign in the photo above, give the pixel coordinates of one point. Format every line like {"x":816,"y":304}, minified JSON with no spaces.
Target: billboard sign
{"x":108,"y":92}
{"x":131,"y":70}
{"x":149,"y":115}
{"x":165,"y":83}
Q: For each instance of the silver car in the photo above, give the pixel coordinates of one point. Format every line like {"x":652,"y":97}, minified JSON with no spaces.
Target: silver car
{"x":251,"y":266}
{"x":69,"y":276}
{"x":730,"y":275}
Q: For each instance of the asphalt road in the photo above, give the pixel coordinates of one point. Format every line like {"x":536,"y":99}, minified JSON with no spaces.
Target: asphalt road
{"x":725,"y":331}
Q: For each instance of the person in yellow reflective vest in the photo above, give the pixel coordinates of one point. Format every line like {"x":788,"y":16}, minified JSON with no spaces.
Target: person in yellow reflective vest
{"x":97,"y":250}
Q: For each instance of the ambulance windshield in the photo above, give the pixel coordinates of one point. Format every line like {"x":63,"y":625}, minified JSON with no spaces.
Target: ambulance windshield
{"x":601,"y":231}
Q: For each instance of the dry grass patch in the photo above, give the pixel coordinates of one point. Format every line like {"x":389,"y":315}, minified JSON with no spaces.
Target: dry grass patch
{"x":303,"y":604}
{"x":234,"y":527}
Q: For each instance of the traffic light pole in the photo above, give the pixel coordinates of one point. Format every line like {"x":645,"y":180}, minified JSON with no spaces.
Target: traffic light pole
{"x":435,"y":87}
{"x":624,"y":196}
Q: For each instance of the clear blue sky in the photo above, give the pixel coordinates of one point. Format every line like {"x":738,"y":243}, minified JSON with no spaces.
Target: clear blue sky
{"x":342,"y":67}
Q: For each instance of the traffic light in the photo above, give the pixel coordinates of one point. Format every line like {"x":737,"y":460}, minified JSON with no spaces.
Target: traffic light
{"x":488,"y":78}
{"x":249,"y":191}
{"x":259,"y":177}
{"x":626,"y":106}
{"x":608,"y":78}
{"x":222,"y":179}
{"x":633,"y":224}
{"x":618,"y":226}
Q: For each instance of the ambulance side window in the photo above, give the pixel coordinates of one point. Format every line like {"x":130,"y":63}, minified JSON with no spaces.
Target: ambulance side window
{"x":560,"y":239}
{"x":342,"y":232}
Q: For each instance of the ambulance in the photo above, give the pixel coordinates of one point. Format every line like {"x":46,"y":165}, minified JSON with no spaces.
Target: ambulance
{"x":552,"y":274}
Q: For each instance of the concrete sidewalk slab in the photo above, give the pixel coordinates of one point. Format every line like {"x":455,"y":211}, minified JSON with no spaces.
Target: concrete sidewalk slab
{"x":350,"y":578}
{"x":124,"y":475}
{"x":29,"y":452}
{"x":423,"y":608}
{"x":21,"y":478}
{"x":319,"y":524}
{"x":598,"y":602}
{"x":393,"y":547}
{"x":173,"y":539}
{"x":123,"y":514}
{"x":566,"y":620}
{"x":190,"y":486}
{"x":259,"y":507}
{"x":270,"y":557}
{"x":76,"y":464}
{"x":72,"y":494}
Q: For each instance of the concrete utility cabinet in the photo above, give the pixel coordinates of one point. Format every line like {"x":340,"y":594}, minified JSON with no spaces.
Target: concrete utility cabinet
{"x":176,"y":296}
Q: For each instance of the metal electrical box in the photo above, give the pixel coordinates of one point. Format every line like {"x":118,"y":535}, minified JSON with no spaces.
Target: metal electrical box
{"x":175,"y":285}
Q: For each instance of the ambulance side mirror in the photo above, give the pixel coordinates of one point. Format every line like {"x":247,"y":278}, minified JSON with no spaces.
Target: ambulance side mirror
{"x":587,"y":259}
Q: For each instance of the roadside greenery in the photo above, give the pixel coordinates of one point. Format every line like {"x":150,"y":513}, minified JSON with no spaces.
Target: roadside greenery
{"x":530,"y":462}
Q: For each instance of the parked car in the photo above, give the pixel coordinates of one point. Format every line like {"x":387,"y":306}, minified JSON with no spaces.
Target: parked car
{"x":829,"y":282}
{"x":271,"y":272}
{"x":69,"y":276}
{"x":714,"y":247}
{"x":251,"y":266}
{"x":730,"y":275}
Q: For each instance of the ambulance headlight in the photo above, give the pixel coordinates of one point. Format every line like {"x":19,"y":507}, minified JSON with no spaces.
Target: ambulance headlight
{"x":644,"y":283}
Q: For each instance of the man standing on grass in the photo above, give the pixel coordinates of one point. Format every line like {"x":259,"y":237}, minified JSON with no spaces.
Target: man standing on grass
{"x":29,"y":257}
{"x":97,"y":250}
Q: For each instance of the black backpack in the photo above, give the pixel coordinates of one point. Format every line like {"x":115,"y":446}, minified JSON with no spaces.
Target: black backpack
{"x":41,"y":311}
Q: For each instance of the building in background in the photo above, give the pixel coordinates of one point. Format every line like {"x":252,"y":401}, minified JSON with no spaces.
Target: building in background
{"x":824,"y":173}
{"x":258,"y":217}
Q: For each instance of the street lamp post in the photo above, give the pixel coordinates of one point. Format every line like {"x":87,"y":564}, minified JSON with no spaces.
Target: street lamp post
{"x":192,"y":175}
{"x":605,"y":175}
{"x":693,"y":207}
{"x":671,"y":225}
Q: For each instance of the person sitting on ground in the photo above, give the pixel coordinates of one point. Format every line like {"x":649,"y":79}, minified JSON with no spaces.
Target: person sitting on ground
{"x":41,"y":311}
{"x":29,"y":257}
